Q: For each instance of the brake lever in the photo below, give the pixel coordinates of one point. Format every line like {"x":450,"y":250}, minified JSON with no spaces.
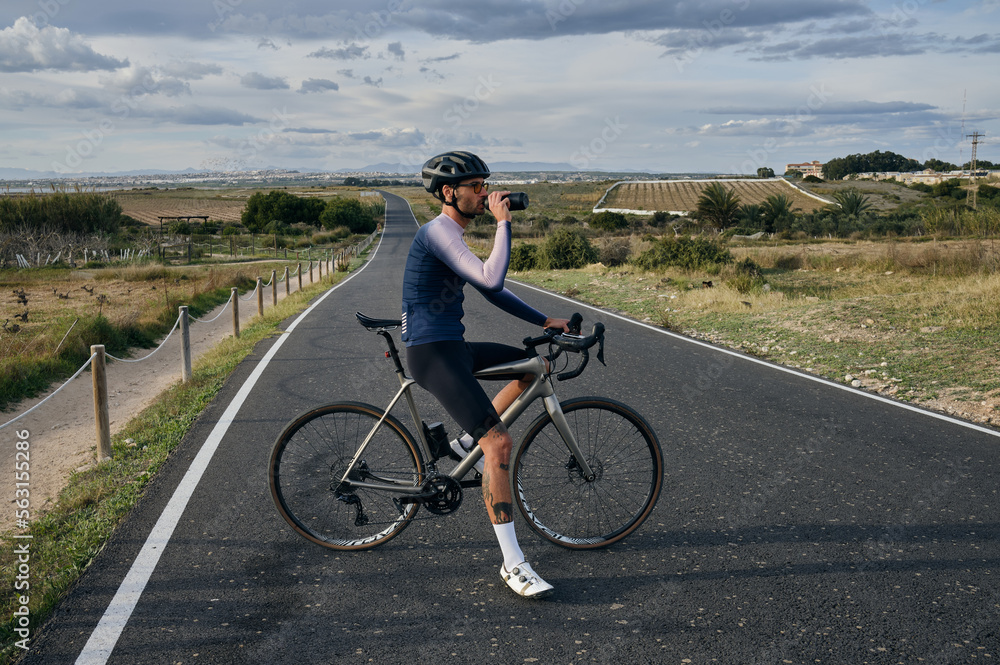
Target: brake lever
{"x":600,"y":341}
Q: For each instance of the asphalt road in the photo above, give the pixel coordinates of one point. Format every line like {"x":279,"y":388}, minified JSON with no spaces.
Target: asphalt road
{"x":799,"y":522}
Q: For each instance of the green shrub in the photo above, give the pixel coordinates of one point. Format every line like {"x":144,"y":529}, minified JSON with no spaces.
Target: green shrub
{"x":615,"y":251}
{"x":609,"y":221}
{"x":749,"y":277}
{"x":566,"y":249}
{"x":523,"y":257}
{"x":684,"y":252}
{"x":180,"y":228}
{"x":788,"y":262}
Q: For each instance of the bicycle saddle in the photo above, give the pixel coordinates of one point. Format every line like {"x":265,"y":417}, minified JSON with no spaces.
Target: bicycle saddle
{"x":377,"y":324}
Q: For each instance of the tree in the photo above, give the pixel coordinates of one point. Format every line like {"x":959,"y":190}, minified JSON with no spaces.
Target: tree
{"x":938,"y":165}
{"x":348,"y":212}
{"x":778,"y":214}
{"x":765,"y":172}
{"x":853,"y":202}
{"x":262,"y":209}
{"x":751,"y":216}
{"x":873,"y":162}
{"x":718,"y":205}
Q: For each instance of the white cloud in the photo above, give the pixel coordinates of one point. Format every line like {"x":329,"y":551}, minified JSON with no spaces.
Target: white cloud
{"x":24,"y":47}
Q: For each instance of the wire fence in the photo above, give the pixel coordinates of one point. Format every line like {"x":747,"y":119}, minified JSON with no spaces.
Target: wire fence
{"x":331,"y":260}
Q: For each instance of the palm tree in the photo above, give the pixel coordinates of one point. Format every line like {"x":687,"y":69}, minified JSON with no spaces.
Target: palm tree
{"x":778,"y":212}
{"x":751,"y":216}
{"x":718,"y":205}
{"x":853,"y":202}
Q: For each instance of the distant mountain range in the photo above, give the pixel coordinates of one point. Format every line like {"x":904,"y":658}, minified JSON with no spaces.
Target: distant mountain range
{"x":494,"y":166}
{"x":520,"y":167}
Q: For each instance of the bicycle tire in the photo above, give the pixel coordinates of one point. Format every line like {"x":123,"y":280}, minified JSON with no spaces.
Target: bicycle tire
{"x":563,"y":507}
{"x":309,"y":459}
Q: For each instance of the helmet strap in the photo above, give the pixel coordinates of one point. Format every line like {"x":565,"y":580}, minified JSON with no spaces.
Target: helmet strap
{"x":454,"y":204}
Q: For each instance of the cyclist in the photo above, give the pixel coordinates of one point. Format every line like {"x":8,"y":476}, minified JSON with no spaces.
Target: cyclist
{"x":442,"y":362}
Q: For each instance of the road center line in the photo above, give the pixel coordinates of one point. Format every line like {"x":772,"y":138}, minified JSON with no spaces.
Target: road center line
{"x":105,"y":636}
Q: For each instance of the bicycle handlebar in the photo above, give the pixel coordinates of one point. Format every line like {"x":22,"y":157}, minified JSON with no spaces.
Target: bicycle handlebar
{"x":573,"y":342}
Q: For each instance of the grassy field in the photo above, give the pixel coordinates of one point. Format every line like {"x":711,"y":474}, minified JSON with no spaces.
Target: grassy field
{"x":917,"y":321}
{"x":682,"y":195}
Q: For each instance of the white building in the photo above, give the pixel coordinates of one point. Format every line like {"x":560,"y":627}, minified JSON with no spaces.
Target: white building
{"x":813,"y":168}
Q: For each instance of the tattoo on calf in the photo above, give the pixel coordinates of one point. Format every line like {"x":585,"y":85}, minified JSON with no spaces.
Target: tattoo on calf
{"x":500,"y":511}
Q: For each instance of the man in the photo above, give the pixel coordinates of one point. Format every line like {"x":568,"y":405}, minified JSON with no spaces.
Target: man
{"x":437,"y":268}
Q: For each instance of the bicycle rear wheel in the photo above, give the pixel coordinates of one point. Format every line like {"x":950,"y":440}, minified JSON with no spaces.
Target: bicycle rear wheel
{"x":309,"y":460}
{"x":567,"y":509}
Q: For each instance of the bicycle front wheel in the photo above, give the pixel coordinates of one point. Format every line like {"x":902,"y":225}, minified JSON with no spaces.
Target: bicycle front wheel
{"x":310,"y":458}
{"x":563,"y":506}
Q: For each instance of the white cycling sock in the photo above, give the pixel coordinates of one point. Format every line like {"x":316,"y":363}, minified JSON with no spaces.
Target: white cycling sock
{"x":512,"y":554}
{"x":466,"y":442}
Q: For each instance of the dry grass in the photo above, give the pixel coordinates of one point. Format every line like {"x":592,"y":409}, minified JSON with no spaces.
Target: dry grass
{"x":66,"y":309}
{"x":915,"y":321}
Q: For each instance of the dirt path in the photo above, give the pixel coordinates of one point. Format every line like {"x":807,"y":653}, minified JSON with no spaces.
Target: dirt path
{"x":62,"y":434}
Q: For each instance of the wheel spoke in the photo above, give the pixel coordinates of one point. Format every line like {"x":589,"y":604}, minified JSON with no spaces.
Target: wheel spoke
{"x":309,"y":460}
{"x":625,"y":457}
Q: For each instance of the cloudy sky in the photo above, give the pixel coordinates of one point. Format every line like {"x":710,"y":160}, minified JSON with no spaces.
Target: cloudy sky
{"x":655,"y":85}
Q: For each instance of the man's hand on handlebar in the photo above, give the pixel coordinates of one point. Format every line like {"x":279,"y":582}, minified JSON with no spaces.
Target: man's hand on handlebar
{"x":556,"y":324}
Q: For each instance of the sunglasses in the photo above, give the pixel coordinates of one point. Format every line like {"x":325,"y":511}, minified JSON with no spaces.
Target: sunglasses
{"x":476,"y":186}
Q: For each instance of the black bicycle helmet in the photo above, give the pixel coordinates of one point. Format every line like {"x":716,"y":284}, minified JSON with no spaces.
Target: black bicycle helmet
{"x":451,"y":168}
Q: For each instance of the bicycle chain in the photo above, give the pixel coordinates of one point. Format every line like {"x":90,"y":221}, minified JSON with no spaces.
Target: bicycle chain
{"x":423,"y":479}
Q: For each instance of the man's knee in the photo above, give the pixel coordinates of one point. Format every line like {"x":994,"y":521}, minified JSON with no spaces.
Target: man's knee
{"x":497,"y":442}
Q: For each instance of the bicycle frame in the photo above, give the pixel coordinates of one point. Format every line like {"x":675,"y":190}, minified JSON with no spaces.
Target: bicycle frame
{"x":540,"y":387}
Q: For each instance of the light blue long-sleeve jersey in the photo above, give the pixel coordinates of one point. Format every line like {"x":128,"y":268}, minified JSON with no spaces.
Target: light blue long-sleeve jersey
{"x":438,"y":267}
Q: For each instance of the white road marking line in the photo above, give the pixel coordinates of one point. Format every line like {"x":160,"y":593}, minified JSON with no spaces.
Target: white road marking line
{"x":105,"y":636}
{"x":781,"y":368}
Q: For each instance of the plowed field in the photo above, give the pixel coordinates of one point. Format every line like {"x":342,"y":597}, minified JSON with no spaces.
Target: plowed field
{"x":148,"y":209}
{"x":682,"y":195}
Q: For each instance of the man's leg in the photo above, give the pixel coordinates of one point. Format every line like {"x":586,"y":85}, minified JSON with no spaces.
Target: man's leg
{"x":497,"y":446}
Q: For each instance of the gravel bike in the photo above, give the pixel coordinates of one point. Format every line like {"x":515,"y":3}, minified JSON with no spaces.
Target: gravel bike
{"x":587,"y":472}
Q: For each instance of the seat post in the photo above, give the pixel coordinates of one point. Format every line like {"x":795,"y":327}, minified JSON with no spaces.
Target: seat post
{"x":393,"y":353}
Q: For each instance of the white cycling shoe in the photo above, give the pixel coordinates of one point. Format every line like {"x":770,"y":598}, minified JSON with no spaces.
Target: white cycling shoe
{"x":525,"y":582}
{"x":460,"y":451}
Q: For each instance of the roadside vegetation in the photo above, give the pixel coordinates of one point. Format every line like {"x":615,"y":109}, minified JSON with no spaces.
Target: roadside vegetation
{"x":125,"y":290}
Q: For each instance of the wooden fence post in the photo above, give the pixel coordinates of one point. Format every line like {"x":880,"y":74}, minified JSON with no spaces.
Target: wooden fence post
{"x":310,"y":271}
{"x":101,"y":419}
{"x":287,"y":287}
{"x":298,"y":269}
{"x":260,"y":297}
{"x":274,"y":288}
{"x":185,"y":345}
{"x":236,"y":312}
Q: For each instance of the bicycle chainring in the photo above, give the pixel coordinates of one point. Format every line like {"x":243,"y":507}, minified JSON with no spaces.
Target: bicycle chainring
{"x":446,"y":497}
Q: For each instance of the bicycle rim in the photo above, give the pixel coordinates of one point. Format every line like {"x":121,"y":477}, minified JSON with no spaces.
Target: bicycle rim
{"x":570,"y":511}
{"x":310,"y":458}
